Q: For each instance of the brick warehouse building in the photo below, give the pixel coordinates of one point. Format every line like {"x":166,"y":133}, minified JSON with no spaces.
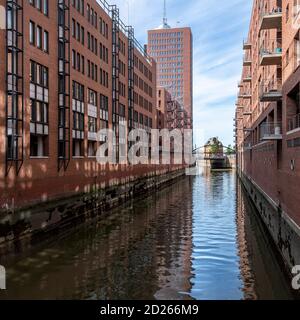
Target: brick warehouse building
{"x":267,"y":121}
{"x":68,"y":69}
{"x":172,"y":49}
{"x":163,"y":98}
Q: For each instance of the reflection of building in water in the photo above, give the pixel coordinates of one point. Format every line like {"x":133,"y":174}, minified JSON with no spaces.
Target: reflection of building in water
{"x":246,"y":272}
{"x":142,"y":251}
{"x":174,"y":266}
{"x":263,"y":277}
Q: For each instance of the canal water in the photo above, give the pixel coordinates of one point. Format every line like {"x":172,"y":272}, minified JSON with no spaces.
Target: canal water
{"x":197,"y":239}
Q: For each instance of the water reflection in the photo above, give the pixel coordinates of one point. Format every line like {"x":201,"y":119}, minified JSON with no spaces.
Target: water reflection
{"x":140,"y":252}
{"x":262,"y":274}
{"x":197,"y":239}
{"x":215,"y":258}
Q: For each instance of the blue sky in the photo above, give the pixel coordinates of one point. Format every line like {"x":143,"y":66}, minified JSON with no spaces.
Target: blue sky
{"x":218,"y":28}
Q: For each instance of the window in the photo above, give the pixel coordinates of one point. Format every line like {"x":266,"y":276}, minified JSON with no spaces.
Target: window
{"x":32,"y":32}
{"x":82,"y":35}
{"x":38,"y":146}
{"x":78,"y":31}
{"x":78,"y":62}
{"x":46,"y":41}
{"x":39,"y":106}
{"x":89,"y":40}
{"x":73,"y":59}
{"x":77,"y":148}
{"x":46,"y":7}
{"x":92,"y":125}
{"x":38,"y":4}
{"x":92,"y":97}
{"x":82,"y":64}
{"x":82,"y":7}
{"x":103,"y":115}
{"x":78,"y":91}
{"x":39,"y":37}
{"x":88,"y":12}
{"x":73,"y":28}
{"x":78,"y":119}
{"x":38,"y":74}
{"x":92,"y":148}
{"x":39,"y":111}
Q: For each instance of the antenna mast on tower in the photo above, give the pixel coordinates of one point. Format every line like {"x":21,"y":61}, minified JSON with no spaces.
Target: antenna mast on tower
{"x":165,"y":19}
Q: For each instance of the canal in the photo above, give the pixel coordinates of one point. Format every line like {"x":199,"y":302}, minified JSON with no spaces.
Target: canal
{"x":196,"y":239}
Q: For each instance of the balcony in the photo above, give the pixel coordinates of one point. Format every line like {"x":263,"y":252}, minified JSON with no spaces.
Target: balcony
{"x":271,"y":131}
{"x":244,"y":94}
{"x":271,"y":52}
{"x":294,"y":122}
{"x":247,"y":78}
{"x":247,"y":45}
{"x":247,"y":112}
{"x":270,"y":90}
{"x":238,"y":102}
{"x":271,"y":19}
{"x":247,"y":60}
{"x":247,"y":130}
{"x":240,"y":84}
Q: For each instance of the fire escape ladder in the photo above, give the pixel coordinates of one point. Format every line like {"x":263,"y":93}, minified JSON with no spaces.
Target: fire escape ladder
{"x":64,"y":84}
{"x":130,"y":80}
{"x":14,"y":85}
{"x":115,"y":74}
{"x":130,"y":76}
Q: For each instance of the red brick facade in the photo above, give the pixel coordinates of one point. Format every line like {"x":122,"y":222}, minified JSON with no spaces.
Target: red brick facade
{"x":90,"y":55}
{"x":267,"y":114}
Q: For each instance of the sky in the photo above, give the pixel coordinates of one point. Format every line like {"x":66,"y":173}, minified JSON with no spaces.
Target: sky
{"x":219,"y":28}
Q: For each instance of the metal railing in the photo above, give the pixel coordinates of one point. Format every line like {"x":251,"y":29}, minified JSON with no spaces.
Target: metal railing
{"x":294,"y":122}
{"x":270,"y":47}
{"x":108,"y":8}
{"x":247,"y":128}
{"x":247,"y":111}
{"x":246,"y":43}
{"x":270,"y":130}
{"x":244,"y":92}
{"x":270,"y":86}
{"x":247,"y":76}
{"x":270,"y":12}
{"x":214,"y":155}
{"x":247,"y":57}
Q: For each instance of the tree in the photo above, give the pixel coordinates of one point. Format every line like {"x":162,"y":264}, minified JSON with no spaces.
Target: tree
{"x":214,"y":146}
{"x":230,"y":150}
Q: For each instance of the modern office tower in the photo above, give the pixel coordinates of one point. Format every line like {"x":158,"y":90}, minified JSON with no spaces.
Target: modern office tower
{"x":172,"y":49}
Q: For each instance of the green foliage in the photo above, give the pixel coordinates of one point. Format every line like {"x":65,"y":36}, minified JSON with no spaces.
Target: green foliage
{"x":214,"y":146}
{"x":230,"y":150}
